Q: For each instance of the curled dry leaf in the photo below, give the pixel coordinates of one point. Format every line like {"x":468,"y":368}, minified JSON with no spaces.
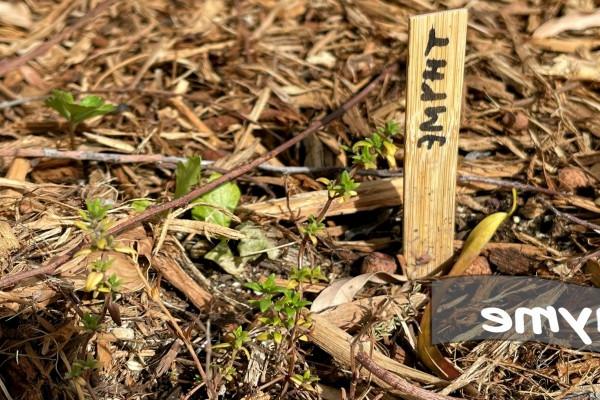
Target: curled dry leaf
{"x":429,"y":354}
{"x":343,"y":290}
{"x":479,"y":237}
{"x":378,"y":262}
{"x":517,"y":120}
{"x":137,"y":239}
{"x":351,"y":316}
{"x":104,"y":350}
{"x":122,"y":266}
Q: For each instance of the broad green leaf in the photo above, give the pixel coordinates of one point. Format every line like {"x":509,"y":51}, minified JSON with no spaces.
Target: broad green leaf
{"x":92,"y":101}
{"x":226,"y":196}
{"x":264,"y":304}
{"x":255,"y":242}
{"x":75,"y":113}
{"x":187,"y":175}
{"x":80,"y":113}
{"x":223,"y":256}
{"x":58,"y":100}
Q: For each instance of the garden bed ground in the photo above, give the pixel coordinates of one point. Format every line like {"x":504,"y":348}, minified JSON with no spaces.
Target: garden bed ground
{"x":228,"y":82}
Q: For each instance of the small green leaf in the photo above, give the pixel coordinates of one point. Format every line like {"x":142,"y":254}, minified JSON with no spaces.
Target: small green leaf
{"x":89,"y":107}
{"x":58,"y":101}
{"x":97,"y":209}
{"x":187,"y":175}
{"x":264,"y":304}
{"x":91,"y":322}
{"x":254,"y":286}
{"x":91,"y":101}
{"x":141,"y":204}
{"x":391,"y":128}
{"x":226,"y":196}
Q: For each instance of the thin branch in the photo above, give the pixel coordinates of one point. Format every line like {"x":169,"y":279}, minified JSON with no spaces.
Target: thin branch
{"x":508,"y":184}
{"x":571,"y":218}
{"x":50,"y":267}
{"x":18,"y":102}
{"x":397,"y":382}
{"x":115,"y":158}
{"x":170,"y":161}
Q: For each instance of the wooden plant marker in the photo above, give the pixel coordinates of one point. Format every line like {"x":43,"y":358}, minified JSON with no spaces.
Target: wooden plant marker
{"x":433,"y":100}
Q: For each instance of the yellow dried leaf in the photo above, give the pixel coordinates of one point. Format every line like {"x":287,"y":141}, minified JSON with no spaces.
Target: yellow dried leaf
{"x":82,"y":253}
{"x":479,"y":237}
{"x":101,"y":243}
{"x":261,"y":337}
{"x":93,"y":280}
{"x":126,"y":250}
{"x":429,"y":354}
{"x":81,"y":225}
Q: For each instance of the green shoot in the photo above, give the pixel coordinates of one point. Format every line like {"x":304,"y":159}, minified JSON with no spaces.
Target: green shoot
{"x":343,"y":187}
{"x":79,"y":367}
{"x":226,"y":196}
{"x":112,"y":284}
{"x":267,"y":287}
{"x":75,"y":113}
{"x":380,"y":143}
{"x":307,"y":275}
{"x":95,"y":223}
{"x":281,"y":308}
{"x":312,"y":228}
{"x":101,"y":265}
{"x":91,"y":322}
{"x":305,"y":380}
{"x":187,"y":175}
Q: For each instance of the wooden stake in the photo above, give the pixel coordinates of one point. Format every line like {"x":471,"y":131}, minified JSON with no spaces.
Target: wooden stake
{"x":433,"y":100}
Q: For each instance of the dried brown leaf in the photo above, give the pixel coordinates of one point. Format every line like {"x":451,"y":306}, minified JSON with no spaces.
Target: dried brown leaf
{"x":344,"y":290}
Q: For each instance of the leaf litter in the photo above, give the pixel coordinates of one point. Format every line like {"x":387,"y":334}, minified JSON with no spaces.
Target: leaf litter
{"x":224,"y":82}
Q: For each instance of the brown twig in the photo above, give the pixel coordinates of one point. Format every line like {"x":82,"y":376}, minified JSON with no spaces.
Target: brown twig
{"x":16,"y":62}
{"x":397,"y":382}
{"x":509,"y":184}
{"x":118,"y":158}
{"x":571,"y":218}
{"x":50,"y":267}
